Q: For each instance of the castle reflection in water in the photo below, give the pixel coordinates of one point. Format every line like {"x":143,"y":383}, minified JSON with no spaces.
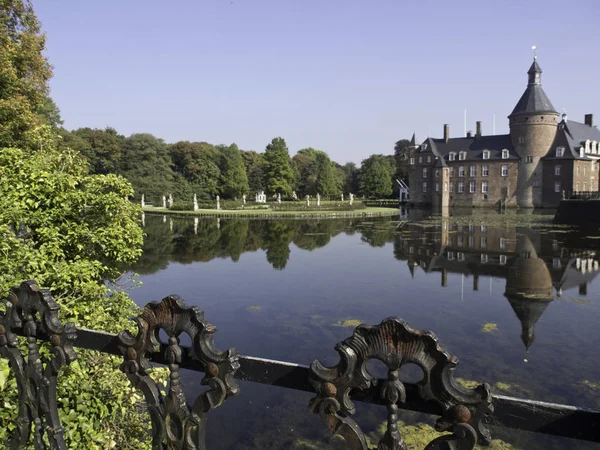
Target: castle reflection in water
{"x":537,"y":267}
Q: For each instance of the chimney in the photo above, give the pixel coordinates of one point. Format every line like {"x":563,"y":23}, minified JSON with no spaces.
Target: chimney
{"x":446,"y":132}
{"x":478,"y":129}
{"x":589,"y":120}
{"x":469,"y":134}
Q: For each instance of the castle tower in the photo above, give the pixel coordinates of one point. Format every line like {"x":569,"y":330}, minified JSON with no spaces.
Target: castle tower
{"x":533,"y":124}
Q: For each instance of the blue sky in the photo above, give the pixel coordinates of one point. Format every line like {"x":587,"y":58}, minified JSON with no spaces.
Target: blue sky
{"x":349,"y":77}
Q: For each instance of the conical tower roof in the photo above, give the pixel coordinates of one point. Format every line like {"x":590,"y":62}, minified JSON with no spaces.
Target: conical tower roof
{"x":534,"y":100}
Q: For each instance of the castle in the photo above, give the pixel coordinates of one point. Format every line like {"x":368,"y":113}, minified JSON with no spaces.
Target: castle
{"x":543,"y":157}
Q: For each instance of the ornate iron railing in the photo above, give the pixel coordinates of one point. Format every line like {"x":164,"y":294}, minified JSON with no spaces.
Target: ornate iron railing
{"x":463,"y":413}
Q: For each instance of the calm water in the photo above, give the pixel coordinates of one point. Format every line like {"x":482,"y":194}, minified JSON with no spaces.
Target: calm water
{"x":277,"y":288}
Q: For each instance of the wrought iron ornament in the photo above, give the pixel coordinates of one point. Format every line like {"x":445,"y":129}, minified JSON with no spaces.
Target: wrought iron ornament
{"x":395,"y":344}
{"x":29,"y":308}
{"x":174,"y":424}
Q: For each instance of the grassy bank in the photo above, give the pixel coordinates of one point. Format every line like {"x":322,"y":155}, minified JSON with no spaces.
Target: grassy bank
{"x":269,"y":213}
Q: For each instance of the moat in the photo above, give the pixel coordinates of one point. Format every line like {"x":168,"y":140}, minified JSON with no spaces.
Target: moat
{"x":514,"y":297}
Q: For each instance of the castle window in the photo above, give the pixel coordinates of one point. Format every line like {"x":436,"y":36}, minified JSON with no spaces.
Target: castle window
{"x":461,"y":187}
{"x":522,"y":139}
{"x":587,"y":146}
{"x":576,"y":187}
{"x":451,"y":156}
{"x":502,"y":243}
{"x":557,"y":169}
{"x":461,"y":171}
{"x":437,"y":173}
{"x":594,"y":147}
{"x":451,"y":187}
{"x":483,"y":228}
{"x":556,"y":263}
{"x":504,"y":171}
{"x":529,"y":159}
{"x":484,"y":258}
{"x":584,"y":187}
{"x":471,"y":186}
{"x":437,"y":187}
{"x":428,"y":158}
{"x":412,"y":161}
{"x":485,"y":171}
{"x":450,"y":256}
{"x":460,"y":256}
{"x":504,"y":154}
{"x":420,"y":159}
{"x":584,"y":172}
{"x":462,"y":156}
{"x":424,"y":186}
{"x":451,"y":171}
{"x":486,"y":154}
{"x":471,"y":241}
{"x":578,"y":170}
{"x":460,"y":241}
{"x":483,"y":242}
{"x":484,"y":187}
{"x":423,"y":147}
{"x":425,"y":172}
{"x":473,"y":171}
{"x":557,"y":186}
{"x":502,"y":260}
{"x":560,"y":151}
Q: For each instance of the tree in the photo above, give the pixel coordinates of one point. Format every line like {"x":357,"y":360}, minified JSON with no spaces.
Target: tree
{"x":255,"y":170}
{"x":315,"y":173}
{"x":145,"y":162}
{"x":326,"y":181}
{"x":101,"y":148}
{"x":24,"y":75}
{"x":375,"y":176}
{"x":234,"y":181}
{"x":350,"y":177}
{"x":198,"y":162}
{"x":401,"y":158}
{"x":279,"y":176}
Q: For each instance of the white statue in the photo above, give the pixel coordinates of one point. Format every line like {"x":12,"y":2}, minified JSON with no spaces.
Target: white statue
{"x":294,"y":196}
{"x":278,"y":198}
{"x":195,"y":225}
{"x":143,"y":219}
{"x":195,"y":203}
{"x":244,"y":199}
{"x":170,"y":201}
{"x":164,"y":201}
{"x":171,"y":225}
{"x":351,"y":198}
{"x":218,"y":222}
{"x":342,"y":198}
{"x":164,"y":218}
{"x":318,"y":199}
{"x":143,"y":202}
{"x":308,"y":200}
{"x":218,"y":203}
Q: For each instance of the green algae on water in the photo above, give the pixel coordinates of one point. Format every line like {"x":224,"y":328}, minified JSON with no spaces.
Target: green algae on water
{"x":254,"y":308}
{"x":347,"y":323}
{"x":489,"y":327}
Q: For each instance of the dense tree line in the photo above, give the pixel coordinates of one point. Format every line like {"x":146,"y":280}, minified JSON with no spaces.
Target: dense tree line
{"x":184,"y":168}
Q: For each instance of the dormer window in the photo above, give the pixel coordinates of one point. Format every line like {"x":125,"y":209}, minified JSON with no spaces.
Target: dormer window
{"x":505,"y":154}
{"x":587,"y":146}
{"x":423,"y":147}
{"x":462,"y":156}
{"x":451,"y":156}
{"x":486,"y":154}
{"x":560,"y":151}
{"x":412,"y":161}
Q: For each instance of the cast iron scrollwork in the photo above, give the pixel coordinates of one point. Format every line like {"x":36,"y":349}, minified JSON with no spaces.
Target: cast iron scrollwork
{"x":174,"y":424}
{"x":29,"y":308}
{"x":395,"y":344}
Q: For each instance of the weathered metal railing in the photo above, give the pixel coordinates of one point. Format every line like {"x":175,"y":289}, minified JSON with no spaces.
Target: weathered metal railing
{"x":464,"y":413}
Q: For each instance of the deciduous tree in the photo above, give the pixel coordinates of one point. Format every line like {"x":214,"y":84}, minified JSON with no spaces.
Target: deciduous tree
{"x":279,"y":175}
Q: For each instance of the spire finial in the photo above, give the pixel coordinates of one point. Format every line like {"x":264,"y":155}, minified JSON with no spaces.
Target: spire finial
{"x":534,"y":48}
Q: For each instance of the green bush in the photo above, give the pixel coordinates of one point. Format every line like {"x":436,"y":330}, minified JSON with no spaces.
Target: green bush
{"x":297,"y":206}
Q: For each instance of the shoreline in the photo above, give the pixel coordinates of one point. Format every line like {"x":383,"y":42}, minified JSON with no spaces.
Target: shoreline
{"x":270,"y":214}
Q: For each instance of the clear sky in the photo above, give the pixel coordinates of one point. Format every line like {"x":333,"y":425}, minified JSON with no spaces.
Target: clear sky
{"x":349,"y":77}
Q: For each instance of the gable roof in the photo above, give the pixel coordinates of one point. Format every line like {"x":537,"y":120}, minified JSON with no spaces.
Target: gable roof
{"x":473,"y":146}
{"x":571,"y":134}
